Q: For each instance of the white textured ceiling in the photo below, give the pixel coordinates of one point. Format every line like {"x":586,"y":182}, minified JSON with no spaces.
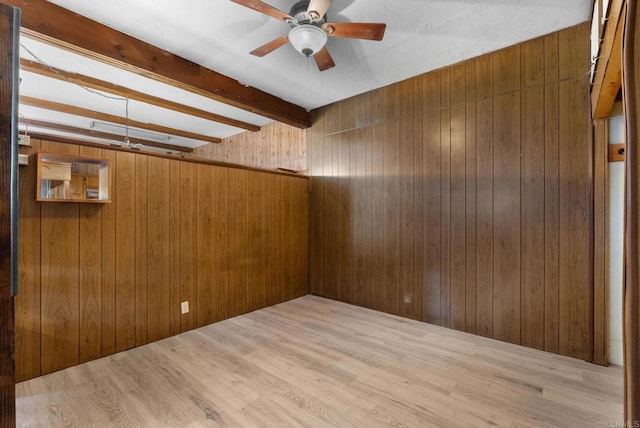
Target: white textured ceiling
{"x":422,"y":35}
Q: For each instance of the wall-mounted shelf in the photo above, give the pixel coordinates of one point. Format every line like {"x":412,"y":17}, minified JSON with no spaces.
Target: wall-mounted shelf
{"x":73,"y":178}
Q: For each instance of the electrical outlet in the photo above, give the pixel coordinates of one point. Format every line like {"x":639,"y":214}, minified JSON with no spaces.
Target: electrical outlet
{"x":184,"y":306}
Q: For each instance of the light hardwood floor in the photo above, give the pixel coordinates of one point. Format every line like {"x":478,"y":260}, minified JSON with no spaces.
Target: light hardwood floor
{"x":316,"y":362}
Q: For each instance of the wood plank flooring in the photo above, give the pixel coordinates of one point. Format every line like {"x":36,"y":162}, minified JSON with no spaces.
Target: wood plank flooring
{"x":316,"y":362}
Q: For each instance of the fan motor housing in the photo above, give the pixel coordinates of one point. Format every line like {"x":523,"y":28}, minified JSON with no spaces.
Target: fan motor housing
{"x":300,"y":16}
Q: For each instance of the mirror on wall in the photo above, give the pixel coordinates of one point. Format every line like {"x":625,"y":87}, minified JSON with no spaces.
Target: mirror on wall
{"x":69,"y":178}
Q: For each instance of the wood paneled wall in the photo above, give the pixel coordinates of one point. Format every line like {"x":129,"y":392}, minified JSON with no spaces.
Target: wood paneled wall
{"x":276,"y":145}
{"x":463,"y":197}
{"x":96,"y":279}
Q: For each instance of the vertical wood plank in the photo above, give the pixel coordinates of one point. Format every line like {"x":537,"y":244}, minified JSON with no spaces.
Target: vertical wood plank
{"x":289,"y":258}
{"x":302,"y":153}
{"x":532,"y":217}
{"x":369,"y":219}
{"x":316,"y":130}
{"x":206,"y":296}
{"x":90,"y":281}
{"x":471,"y":188}
{"x":551,"y":58}
{"x":431,"y":91}
{"x":108,"y":299}
{"x":431,"y":202}
{"x":407,"y":98}
{"x":345,"y":115}
{"x":445,"y":87}
{"x":391,"y":273}
{"x":188,"y":244}
{"x":279,"y":267}
{"x":343,"y":230}
{"x":420,"y":273}
{"x":316,"y":222}
{"x":378,"y":104}
{"x":533,"y":67}
{"x":576,"y":281}
{"x":485,"y":76}
{"x":363,"y":111}
{"x":126,"y":251}
{"x":273,"y":290}
{"x":551,"y":218}
{"x":378,"y":217}
{"x":458,"y":84}
{"x":329,"y":284}
{"x":286,"y":240}
{"x":506,"y":70}
{"x":237,"y":241}
{"x":506,"y":227}
{"x":361,"y":214}
{"x":60,"y":293}
{"x":301,"y":219}
{"x":573,"y":52}
{"x":259,"y":232}
{"x":458,"y":217}
{"x":321,"y":186}
{"x":575,"y":157}
{"x":471,"y":79}
{"x":391,"y":102}
{"x":407,"y":207}
{"x":445,"y":218}
{"x":350,"y":247}
{"x":273,"y":143}
{"x":142,"y":243}
{"x":221,"y":229}
{"x":485,"y":218}
{"x":175,"y":220}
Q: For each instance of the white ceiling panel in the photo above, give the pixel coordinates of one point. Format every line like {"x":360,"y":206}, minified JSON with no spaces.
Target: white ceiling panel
{"x":421,"y":35}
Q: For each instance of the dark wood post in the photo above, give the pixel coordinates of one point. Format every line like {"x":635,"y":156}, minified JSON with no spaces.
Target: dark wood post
{"x":631,"y":312}
{"x":9,"y":31}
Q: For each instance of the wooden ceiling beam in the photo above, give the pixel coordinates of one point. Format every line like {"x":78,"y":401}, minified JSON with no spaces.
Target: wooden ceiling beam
{"x":121,"y":91}
{"x":92,"y":114}
{"x":52,"y":126}
{"x":53,"y":24}
{"x":608,"y":75}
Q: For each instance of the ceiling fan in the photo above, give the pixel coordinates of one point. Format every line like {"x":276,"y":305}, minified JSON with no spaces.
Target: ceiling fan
{"x":309,"y":29}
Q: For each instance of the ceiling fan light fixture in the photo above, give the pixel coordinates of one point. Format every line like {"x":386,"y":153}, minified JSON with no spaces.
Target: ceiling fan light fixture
{"x":307,"y":39}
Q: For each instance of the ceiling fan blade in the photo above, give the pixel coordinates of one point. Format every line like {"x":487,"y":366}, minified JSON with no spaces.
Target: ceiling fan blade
{"x":264,"y":8}
{"x":317,"y":8}
{"x":270,"y":47}
{"x":355,"y":30}
{"x":324,"y":60}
